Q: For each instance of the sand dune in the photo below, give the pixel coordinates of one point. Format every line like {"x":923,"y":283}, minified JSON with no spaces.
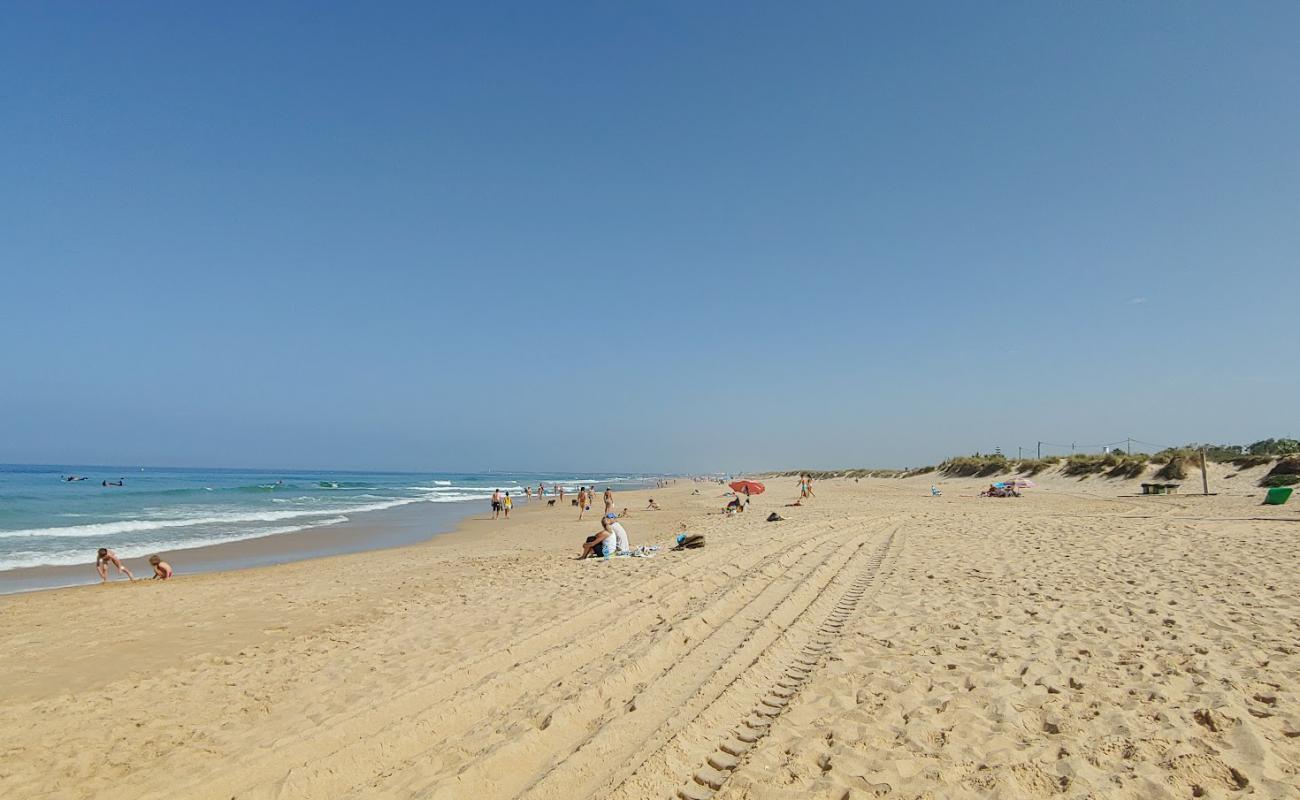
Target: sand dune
{"x":878,"y":642}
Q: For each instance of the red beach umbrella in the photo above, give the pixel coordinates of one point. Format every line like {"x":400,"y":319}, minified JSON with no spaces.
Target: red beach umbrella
{"x":747,"y":487}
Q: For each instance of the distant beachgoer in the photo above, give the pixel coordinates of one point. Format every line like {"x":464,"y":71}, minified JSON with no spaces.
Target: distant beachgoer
{"x":507,"y":504}
{"x":496,"y":504}
{"x":559,"y":491}
{"x":528,"y":493}
{"x":582,"y":501}
{"x":808,"y":484}
{"x":652,"y":505}
{"x":625,"y":514}
{"x":161,"y":569}
{"x":106,"y":557}
{"x":541,"y":491}
{"x":603,"y":543}
{"x":609,"y":500}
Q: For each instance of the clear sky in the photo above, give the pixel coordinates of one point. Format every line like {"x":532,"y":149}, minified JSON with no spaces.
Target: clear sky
{"x":656,"y":236}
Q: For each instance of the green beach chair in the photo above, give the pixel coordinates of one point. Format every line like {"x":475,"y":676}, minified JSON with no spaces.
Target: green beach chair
{"x":1277,"y":495}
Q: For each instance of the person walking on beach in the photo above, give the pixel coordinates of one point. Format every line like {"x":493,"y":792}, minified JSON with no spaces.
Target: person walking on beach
{"x":559,"y":492}
{"x":528,"y":493}
{"x":107,"y":557}
{"x":496,"y":504}
{"x":609,"y":500}
{"x":582,"y":501}
{"x":507,"y":504}
{"x":808,"y":486}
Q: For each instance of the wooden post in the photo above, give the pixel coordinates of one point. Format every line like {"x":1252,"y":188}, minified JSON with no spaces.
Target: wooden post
{"x":1205,"y":481}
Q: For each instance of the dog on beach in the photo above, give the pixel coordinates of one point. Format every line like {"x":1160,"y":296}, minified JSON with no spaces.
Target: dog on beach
{"x":550,"y":502}
{"x":573,"y":503}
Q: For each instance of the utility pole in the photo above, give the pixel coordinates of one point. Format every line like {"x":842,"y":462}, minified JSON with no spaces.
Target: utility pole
{"x":1071,"y":448}
{"x":1020,"y":453}
{"x":1129,"y":448}
{"x":1040,"y":451}
{"x":1205,"y":481}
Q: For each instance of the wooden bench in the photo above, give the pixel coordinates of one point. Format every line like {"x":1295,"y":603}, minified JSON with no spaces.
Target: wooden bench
{"x":1160,"y":488}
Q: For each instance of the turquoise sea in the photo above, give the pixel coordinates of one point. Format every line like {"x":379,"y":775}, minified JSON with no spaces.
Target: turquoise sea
{"x":46,"y":519}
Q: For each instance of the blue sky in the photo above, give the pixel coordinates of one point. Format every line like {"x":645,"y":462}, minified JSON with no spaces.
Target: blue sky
{"x":665,"y":236}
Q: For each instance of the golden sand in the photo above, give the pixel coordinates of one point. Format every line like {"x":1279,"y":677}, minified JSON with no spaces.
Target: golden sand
{"x":876,"y":643}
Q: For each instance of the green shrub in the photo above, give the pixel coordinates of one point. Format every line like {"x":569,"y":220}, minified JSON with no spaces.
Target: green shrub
{"x":1033,"y":466}
{"x":1247,"y":462}
{"x":1175,"y":469}
{"x":976,"y":466}
{"x":1275,"y":447}
{"x":1113,"y":465}
{"x":1281,"y":479}
{"x":1283,"y":473}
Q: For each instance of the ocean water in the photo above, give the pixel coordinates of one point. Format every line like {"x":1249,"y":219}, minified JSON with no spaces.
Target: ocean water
{"x":47,"y":520}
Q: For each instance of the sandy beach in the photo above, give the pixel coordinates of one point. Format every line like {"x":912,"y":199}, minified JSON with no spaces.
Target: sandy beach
{"x":878,"y":642}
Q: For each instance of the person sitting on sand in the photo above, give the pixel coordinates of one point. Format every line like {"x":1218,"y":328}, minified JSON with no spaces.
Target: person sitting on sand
{"x":107,"y":557}
{"x":161,"y":569}
{"x":625,"y":513}
{"x":652,"y":505}
{"x":620,"y":534}
{"x":604,"y":543}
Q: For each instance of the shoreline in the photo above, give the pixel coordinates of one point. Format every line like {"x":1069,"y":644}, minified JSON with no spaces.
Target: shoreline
{"x":370,"y":531}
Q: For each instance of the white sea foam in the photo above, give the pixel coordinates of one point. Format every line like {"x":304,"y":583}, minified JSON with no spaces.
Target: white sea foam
{"x":32,"y":558}
{"x":139,"y":525}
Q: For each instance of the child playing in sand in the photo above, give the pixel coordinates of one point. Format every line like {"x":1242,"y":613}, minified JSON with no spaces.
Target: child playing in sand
{"x":161,"y":569}
{"x":107,"y":557}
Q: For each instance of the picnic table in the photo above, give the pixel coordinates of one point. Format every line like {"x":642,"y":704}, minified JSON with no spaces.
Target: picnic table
{"x":1160,"y":488}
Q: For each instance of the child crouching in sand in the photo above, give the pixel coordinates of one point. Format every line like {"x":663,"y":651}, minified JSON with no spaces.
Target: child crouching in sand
{"x":161,"y":569}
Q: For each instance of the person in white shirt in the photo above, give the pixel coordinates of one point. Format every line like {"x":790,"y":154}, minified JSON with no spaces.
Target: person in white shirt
{"x":619,"y":533}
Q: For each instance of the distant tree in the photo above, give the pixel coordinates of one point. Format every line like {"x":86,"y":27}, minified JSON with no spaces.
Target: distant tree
{"x":1275,"y":447}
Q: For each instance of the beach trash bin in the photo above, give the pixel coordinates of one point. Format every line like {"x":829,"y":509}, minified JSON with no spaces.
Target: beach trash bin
{"x":1277,"y":495}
